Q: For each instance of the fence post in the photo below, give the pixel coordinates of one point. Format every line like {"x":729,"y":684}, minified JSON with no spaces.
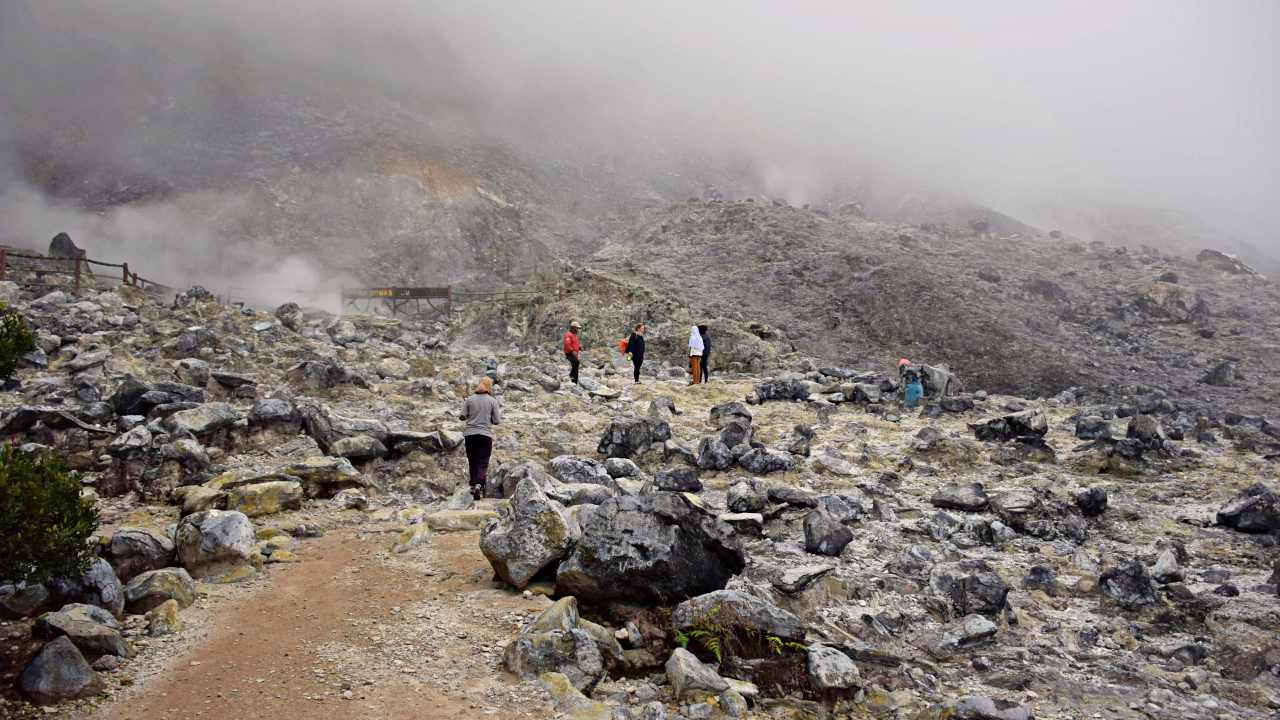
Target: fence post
{"x":4,"y":262}
{"x":77,"y":275}
{"x":125,"y":277}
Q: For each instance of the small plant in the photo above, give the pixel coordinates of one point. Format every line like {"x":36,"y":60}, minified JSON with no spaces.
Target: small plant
{"x":16,"y":340}
{"x":724,"y":640}
{"x":44,"y":524}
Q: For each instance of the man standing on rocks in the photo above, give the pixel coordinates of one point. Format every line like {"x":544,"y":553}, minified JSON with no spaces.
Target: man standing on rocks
{"x":572,"y":346}
{"x":635,"y":348}
{"x":481,"y":413}
{"x":695,"y":356}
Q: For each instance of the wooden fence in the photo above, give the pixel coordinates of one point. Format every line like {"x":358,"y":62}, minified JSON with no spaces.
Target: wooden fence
{"x":78,"y":269}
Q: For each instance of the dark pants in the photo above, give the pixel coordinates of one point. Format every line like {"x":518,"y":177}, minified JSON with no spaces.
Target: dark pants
{"x":706,"y":366}
{"x":479,"y":448}
{"x":573,"y":366}
{"x":636,"y":362}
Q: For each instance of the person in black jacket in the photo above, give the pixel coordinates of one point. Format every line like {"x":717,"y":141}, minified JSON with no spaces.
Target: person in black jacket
{"x":635,"y":348}
{"x":706,"y":352}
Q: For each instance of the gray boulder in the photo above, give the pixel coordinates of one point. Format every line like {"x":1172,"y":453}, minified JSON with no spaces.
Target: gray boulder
{"x":57,"y":673}
{"x":629,"y":437}
{"x":571,"y":469}
{"x":968,"y":586}
{"x":748,"y":495}
{"x":290,"y":315}
{"x":621,"y":468}
{"x":654,"y":548}
{"x":679,"y":479}
{"x":689,"y":676}
{"x":275,"y":412}
{"x":713,"y":454}
{"x":97,"y":586}
{"x":1027,"y":423}
{"x":830,"y":669}
{"x":722,"y":415}
{"x":1128,"y":584}
{"x":202,"y":420}
{"x":736,"y":432}
{"x":503,"y":480}
{"x":738,"y":610}
{"x":358,"y":447}
{"x":782,"y":389}
{"x":529,"y":535}
{"x":557,"y":642}
{"x":213,"y":542}
{"x":1256,"y":510}
{"x":93,"y":630}
{"x":151,"y":589}
{"x":133,"y":551}
{"x":762,"y":461}
{"x":824,"y":534}
{"x":977,"y":707}
{"x":971,"y":497}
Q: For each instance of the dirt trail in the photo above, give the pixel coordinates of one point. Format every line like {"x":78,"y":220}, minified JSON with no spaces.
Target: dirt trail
{"x":351,"y":632}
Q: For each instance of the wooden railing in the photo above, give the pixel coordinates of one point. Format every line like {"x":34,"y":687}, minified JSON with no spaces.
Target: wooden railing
{"x":76,"y":268}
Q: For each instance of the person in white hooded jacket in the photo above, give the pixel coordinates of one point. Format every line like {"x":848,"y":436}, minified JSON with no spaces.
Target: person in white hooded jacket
{"x":695,"y":355}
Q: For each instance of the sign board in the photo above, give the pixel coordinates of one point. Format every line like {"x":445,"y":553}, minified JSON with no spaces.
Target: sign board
{"x":397,"y":293}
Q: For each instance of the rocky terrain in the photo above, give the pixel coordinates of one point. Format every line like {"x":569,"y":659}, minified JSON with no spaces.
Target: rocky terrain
{"x":285,"y":530}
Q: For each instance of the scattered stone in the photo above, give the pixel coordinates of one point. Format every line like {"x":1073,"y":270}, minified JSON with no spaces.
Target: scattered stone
{"x":155,"y":587}
{"x":689,"y":677}
{"x":214,"y":542}
{"x":1129,"y":585}
{"x":134,"y":550}
{"x":681,"y":479}
{"x":738,"y":610}
{"x":831,"y":669}
{"x":163,"y":619}
{"x":971,"y":498}
{"x":824,"y":534}
{"x":93,"y":630}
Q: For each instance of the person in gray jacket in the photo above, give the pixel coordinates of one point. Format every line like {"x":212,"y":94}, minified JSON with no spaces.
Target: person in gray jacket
{"x":481,"y":413}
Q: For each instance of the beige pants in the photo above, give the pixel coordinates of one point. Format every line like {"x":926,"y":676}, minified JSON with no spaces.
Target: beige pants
{"x":695,"y":368}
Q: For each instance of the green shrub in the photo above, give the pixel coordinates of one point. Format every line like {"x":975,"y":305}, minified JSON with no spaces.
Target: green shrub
{"x":44,"y":525}
{"x":16,"y":340}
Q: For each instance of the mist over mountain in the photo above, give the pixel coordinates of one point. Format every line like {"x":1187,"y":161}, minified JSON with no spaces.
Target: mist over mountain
{"x":1062,"y":116}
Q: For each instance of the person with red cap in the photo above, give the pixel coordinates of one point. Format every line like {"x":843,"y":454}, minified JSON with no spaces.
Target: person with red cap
{"x":572,"y":348}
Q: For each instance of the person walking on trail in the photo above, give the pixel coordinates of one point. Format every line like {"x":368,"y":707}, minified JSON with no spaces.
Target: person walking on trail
{"x":572,"y":348}
{"x":695,"y":356}
{"x":706,"y":352}
{"x":635,"y":348}
{"x":481,"y":412}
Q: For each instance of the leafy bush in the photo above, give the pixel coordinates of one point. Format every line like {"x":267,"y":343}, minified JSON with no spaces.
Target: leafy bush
{"x":44,"y":525}
{"x":16,"y":340}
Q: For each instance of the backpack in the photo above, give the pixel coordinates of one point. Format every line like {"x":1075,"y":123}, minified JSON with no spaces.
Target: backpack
{"x":622,"y":346}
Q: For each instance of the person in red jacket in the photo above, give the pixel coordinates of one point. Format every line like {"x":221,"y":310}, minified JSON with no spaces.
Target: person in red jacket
{"x":572,"y":346}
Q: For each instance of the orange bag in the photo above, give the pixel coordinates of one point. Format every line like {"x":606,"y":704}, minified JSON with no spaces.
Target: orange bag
{"x":622,"y":346}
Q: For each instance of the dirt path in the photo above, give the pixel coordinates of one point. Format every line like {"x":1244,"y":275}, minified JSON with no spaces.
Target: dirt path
{"x":352,"y":632}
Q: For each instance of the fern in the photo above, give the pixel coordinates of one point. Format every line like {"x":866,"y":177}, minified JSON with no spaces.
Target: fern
{"x":682,"y":640}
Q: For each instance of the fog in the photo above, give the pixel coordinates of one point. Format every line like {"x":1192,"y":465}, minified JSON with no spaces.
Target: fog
{"x":1053,"y":112}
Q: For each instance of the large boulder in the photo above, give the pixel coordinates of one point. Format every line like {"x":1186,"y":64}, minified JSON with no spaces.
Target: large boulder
{"x":502,"y":482}
{"x":324,"y":477}
{"x":572,"y":469}
{"x":968,"y":586}
{"x":153,"y":588}
{"x":265,"y":498}
{"x":97,"y":586}
{"x":736,"y":432}
{"x":831,"y":669}
{"x":740,"y":611}
{"x":782,"y":389}
{"x":277,"y":412}
{"x":658,"y":548}
{"x":133,"y":551}
{"x":214,"y":542}
{"x":59,"y":672}
{"x":1128,"y":584}
{"x":93,"y":630}
{"x":713,"y":454}
{"x":628,"y":437}
{"x":825,"y":534}
{"x":1256,"y":510}
{"x":762,"y":461}
{"x":690,"y":676}
{"x":557,"y":641}
{"x":202,"y":420}
{"x":722,"y":415}
{"x":971,"y":497}
{"x":529,"y":535}
{"x":1027,"y":423}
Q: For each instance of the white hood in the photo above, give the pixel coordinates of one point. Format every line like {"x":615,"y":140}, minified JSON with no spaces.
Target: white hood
{"x":695,"y":341}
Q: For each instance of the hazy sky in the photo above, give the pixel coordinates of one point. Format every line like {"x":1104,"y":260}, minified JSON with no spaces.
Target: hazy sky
{"x":1164,"y":102}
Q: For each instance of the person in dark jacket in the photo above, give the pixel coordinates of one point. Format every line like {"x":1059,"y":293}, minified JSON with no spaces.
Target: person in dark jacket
{"x":635,"y":348}
{"x":481,"y":412}
{"x":706,"y":352}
